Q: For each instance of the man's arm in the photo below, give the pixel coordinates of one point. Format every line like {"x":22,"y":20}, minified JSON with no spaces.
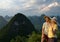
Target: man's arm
{"x":55,"y":29}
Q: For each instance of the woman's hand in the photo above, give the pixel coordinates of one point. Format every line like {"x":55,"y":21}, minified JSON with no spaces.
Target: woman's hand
{"x":42,"y":38}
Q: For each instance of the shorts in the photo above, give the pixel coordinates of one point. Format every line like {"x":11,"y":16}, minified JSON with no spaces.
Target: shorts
{"x":45,"y":38}
{"x":52,"y":40}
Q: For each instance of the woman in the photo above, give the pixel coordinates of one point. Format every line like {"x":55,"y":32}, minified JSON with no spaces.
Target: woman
{"x":52,"y":30}
{"x":45,"y":29}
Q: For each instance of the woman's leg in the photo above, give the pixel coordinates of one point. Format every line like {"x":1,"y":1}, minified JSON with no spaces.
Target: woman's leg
{"x":46,"y":38}
{"x":42,"y":40}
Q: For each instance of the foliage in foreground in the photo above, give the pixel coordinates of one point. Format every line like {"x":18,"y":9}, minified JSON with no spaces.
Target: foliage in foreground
{"x":34,"y":37}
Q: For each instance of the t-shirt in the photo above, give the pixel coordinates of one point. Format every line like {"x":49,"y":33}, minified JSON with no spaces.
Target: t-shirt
{"x":50,"y":31}
{"x":45,"y":27}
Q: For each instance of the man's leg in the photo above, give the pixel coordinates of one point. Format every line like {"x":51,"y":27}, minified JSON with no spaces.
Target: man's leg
{"x":51,"y":40}
{"x":55,"y":39}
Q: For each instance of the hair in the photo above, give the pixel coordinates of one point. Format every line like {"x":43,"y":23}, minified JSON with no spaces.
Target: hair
{"x":55,"y":22}
{"x":47,"y":17}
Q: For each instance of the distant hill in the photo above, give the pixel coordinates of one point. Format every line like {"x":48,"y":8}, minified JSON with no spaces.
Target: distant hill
{"x":8,"y":18}
{"x":3,"y":22}
{"x":18,"y":25}
{"x":37,"y":21}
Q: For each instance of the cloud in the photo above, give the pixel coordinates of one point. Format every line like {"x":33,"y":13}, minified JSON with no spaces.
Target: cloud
{"x":47,"y":8}
{"x":4,"y":4}
{"x":28,"y":6}
{"x":14,"y":5}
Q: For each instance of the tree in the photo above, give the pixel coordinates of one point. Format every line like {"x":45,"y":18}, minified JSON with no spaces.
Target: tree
{"x":12,"y":40}
{"x":34,"y":37}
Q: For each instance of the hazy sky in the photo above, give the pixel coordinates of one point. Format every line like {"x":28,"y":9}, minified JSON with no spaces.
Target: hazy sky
{"x":29,"y":7}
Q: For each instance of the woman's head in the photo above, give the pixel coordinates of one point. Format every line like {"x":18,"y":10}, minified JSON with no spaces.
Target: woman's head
{"x":47,"y":19}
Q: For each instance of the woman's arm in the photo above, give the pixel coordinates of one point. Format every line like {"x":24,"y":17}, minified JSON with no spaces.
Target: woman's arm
{"x":42,"y":37}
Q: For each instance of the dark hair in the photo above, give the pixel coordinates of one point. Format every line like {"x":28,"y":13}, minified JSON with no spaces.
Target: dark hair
{"x":47,"y":17}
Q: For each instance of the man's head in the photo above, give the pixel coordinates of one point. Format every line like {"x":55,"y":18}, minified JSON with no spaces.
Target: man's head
{"x":47,"y":19}
{"x":53,"y":20}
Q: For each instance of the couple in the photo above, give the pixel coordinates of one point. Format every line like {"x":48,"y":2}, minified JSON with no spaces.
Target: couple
{"x":49,"y":30}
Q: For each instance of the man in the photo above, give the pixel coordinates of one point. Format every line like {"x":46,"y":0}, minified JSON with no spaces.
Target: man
{"x":45,"y":29}
{"x":52,"y":35}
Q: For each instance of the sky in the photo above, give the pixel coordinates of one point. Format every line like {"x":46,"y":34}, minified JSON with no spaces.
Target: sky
{"x":29,"y":7}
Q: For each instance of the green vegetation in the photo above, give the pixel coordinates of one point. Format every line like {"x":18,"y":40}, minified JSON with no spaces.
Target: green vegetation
{"x":20,"y":29}
{"x":34,"y":37}
{"x":19,"y":25}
